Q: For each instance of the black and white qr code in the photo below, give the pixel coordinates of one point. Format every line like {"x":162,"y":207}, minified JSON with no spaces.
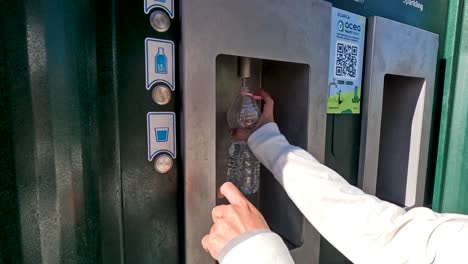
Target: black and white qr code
{"x":346,"y":60}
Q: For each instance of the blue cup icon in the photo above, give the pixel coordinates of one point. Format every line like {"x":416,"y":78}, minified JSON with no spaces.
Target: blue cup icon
{"x":162,"y":134}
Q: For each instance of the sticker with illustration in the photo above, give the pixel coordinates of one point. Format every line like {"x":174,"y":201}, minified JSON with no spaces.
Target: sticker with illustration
{"x":346,"y":60}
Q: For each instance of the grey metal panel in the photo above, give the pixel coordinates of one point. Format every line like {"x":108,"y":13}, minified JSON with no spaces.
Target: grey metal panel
{"x":292,"y":31}
{"x":397,"y":49}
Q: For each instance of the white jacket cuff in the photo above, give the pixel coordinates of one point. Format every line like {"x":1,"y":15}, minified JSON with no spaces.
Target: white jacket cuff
{"x":256,"y":247}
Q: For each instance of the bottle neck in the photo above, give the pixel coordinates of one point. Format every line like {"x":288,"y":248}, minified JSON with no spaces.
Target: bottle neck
{"x":244,"y":88}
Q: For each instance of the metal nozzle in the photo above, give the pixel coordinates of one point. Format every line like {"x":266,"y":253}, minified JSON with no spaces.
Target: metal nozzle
{"x":244,"y":67}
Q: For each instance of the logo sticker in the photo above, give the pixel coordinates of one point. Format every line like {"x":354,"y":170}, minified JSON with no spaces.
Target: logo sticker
{"x":340,"y":26}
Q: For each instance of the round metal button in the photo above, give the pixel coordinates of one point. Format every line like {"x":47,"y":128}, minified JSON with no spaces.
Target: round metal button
{"x":163,"y":163}
{"x":161,"y":94}
{"x":160,"y":21}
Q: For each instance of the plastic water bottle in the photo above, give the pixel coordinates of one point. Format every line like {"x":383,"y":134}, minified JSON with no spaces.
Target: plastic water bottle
{"x":250,"y":181}
{"x":234,"y":162}
{"x":243,"y":167}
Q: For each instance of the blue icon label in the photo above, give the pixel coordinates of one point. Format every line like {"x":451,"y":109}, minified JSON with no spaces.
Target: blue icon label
{"x":166,"y":5}
{"x":161,"y":134}
{"x":159,"y":62}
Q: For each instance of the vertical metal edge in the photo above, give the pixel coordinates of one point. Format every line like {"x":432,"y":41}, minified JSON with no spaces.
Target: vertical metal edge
{"x":366,"y":94}
{"x":427,"y":125}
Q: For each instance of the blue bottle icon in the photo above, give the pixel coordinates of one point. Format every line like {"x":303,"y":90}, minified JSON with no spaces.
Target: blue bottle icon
{"x":161,"y":62}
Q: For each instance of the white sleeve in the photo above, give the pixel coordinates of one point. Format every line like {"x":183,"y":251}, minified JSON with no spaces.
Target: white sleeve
{"x":364,"y":228}
{"x":256,"y":247}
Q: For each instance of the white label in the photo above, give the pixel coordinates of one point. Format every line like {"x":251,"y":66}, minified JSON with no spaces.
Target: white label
{"x":161,"y":134}
{"x":167,"y":5}
{"x":348,"y":32}
{"x":159,"y":62}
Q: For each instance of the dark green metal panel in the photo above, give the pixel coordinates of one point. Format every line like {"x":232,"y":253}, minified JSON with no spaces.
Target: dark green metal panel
{"x":107,"y":142}
{"x":50,"y":79}
{"x":10,"y":248}
{"x":344,"y":131}
{"x":150,"y":200}
{"x":76,"y":186}
{"x":451,"y":188}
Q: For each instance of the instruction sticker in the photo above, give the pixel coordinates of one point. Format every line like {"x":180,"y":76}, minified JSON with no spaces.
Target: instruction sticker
{"x":167,"y":5}
{"x":161,"y":134}
{"x":159,"y":62}
{"x":346,"y":60}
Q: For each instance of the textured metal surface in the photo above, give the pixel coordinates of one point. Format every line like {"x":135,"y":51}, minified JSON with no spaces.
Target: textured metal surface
{"x":48,"y":53}
{"x":66,"y":137}
{"x":10,"y":247}
{"x":386,"y":53}
{"x":258,"y":29}
{"x":451,"y":191}
{"x":107,"y":145}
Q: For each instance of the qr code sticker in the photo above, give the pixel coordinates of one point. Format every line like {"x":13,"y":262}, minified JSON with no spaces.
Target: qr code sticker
{"x":346,"y":60}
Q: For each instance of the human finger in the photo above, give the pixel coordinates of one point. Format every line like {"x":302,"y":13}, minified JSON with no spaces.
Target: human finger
{"x":232,"y":194}
{"x":218,"y":212}
{"x":268,"y":103}
{"x":205,"y":243}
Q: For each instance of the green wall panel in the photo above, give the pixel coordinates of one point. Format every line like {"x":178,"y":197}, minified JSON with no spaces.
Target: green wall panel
{"x":451,"y":188}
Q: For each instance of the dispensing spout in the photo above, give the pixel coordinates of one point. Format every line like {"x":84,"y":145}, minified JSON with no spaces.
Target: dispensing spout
{"x":244,"y":69}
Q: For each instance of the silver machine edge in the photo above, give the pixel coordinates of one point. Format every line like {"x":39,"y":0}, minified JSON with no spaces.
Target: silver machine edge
{"x":293,"y":31}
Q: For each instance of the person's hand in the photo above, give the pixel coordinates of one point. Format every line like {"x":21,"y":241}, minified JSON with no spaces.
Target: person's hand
{"x":265,"y":118}
{"x":231,"y":221}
